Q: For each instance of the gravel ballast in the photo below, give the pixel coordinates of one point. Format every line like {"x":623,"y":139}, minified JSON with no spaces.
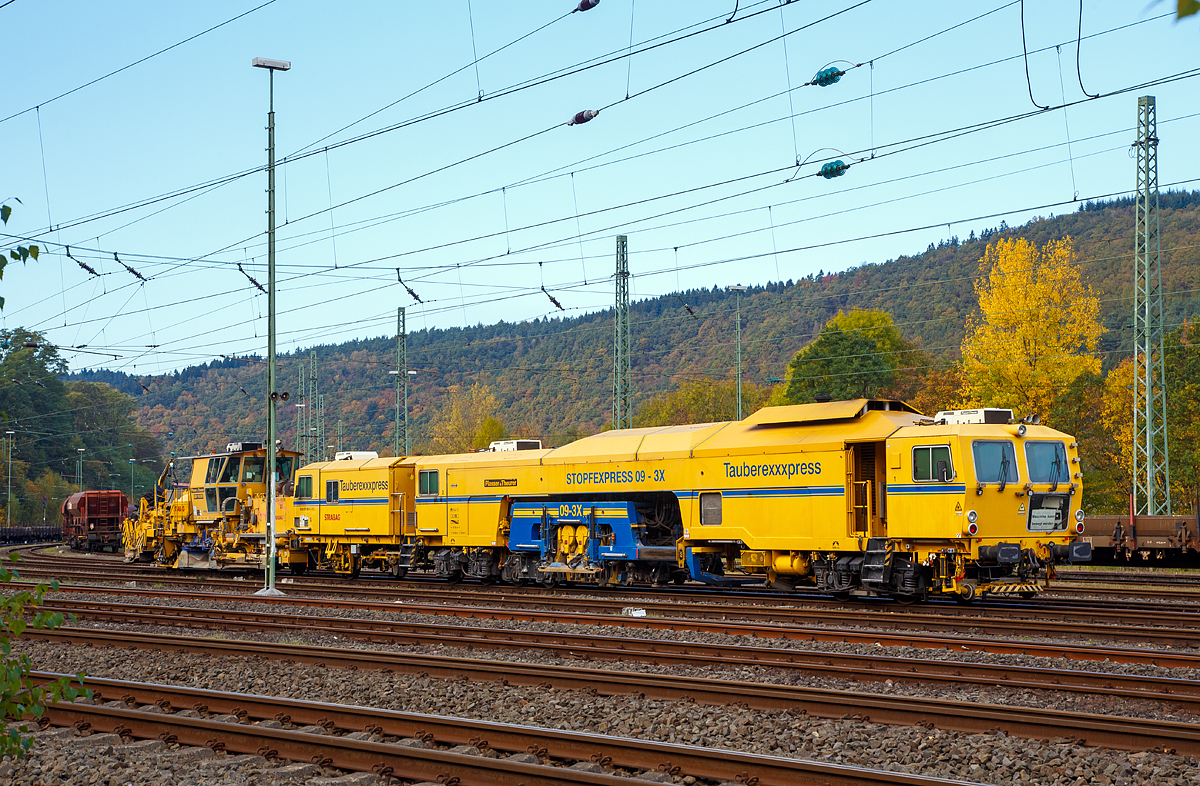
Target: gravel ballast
{"x":989,"y":758}
{"x":1065,"y":700}
{"x":993,"y":758}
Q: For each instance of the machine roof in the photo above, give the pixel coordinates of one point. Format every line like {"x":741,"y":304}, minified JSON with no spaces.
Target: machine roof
{"x":255,"y":452}
{"x":821,"y":426}
{"x":634,"y":443}
{"x":824,"y":410}
{"x":807,"y":427}
{"x":375,"y":463}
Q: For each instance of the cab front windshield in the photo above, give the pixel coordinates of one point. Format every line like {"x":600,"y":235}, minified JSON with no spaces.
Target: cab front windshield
{"x":252,"y":469}
{"x":1046,"y":461}
{"x":995,"y":461}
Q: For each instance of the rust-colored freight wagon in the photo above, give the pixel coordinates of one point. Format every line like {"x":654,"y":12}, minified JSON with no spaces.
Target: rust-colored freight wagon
{"x":92,"y":520}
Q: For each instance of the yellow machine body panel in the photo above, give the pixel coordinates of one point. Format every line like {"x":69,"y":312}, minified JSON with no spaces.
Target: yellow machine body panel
{"x":461,"y":498}
{"x":993,"y":477}
{"x":351,"y":498}
{"x":793,"y":477}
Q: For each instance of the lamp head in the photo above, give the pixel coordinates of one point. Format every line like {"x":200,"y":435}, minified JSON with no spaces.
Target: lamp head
{"x":274,"y":65}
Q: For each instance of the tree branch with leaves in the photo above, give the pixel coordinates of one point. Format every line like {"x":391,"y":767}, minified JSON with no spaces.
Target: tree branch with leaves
{"x":21,"y":696}
{"x":17,"y":254}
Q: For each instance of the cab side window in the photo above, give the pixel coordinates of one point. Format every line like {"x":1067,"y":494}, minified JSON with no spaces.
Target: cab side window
{"x":927,"y":461}
{"x":214,"y":470}
{"x":710,"y":509}
{"x":283,"y":469}
{"x":304,"y":487}
{"x":224,"y":494}
{"x":428,"y":482}
{"x":331,"y":491}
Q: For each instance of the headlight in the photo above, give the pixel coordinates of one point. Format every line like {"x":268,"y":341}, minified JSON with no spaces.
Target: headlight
{"x":1021,"y":430}
{"x":972,"y":516}
{"x":1079,"y":514}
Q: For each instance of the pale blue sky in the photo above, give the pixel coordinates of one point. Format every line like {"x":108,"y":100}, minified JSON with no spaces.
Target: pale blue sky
{"x":478,"y":239}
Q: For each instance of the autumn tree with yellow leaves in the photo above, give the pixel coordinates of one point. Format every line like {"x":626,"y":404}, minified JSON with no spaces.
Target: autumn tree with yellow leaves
{"x":1114,"y":455}
{"x":1036,"y":332}
{"x":465,"y":419}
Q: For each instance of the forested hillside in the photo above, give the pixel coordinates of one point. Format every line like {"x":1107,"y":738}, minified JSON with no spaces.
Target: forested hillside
{"x":552,"y":377}
{"x":63,"y":434}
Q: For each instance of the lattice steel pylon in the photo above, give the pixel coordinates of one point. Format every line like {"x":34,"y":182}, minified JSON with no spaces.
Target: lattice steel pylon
{"x":1151,"y":464}
{"x":310,"y":414}
{"x":301,"y":415}
{"x":400,"y":440}
{"x":321,"y":448}
{"x":622,"y":368}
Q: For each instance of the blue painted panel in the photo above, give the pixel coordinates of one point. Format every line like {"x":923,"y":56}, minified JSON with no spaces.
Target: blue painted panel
{"x":614,"y":531}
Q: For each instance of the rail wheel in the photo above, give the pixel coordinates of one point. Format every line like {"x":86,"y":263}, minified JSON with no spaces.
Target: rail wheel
{"x":843,"y":596}
{"x":455,"y":577}
{"x":967,"y":595}
{"x":1028,"y":595}
{"x":906,"y":600}
{"x":399,"y":572}
{"x":549,"y":582}
{"x":297,"y":569}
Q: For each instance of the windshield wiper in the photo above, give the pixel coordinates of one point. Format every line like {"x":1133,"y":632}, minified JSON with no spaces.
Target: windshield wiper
{"x":1056,"y":466}
{"x":1003,"y":471}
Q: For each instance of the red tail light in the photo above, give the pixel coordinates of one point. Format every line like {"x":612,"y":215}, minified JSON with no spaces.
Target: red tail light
{"x":972,"y":528}
{"x":1079,"y":527}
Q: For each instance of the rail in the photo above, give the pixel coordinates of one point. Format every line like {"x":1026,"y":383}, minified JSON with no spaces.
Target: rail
{"x":436,"y":765}
{"x":972,"y":718}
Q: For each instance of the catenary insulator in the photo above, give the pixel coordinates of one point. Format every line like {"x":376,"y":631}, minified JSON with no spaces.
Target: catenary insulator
{"x":827,"y":77}
{"x":834,"y":169}
{"x":583,"y":117}
{"x":586,"y":5}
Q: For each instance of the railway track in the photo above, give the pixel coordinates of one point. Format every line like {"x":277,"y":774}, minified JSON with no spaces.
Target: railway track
{"x":867,"y":668}
{"x":809,"y":623}
{"x":1173,"y":624}
{"x":112,"y":569}
{"x":1121,"y":733}
{"x":38,"y":564}
{"x":1141,"y":578}
{"x":439,"y":748}
{"x":1112,"y":584}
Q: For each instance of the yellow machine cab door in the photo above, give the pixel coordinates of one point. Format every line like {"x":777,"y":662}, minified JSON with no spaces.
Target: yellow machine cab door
{"x":865,"y":485}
